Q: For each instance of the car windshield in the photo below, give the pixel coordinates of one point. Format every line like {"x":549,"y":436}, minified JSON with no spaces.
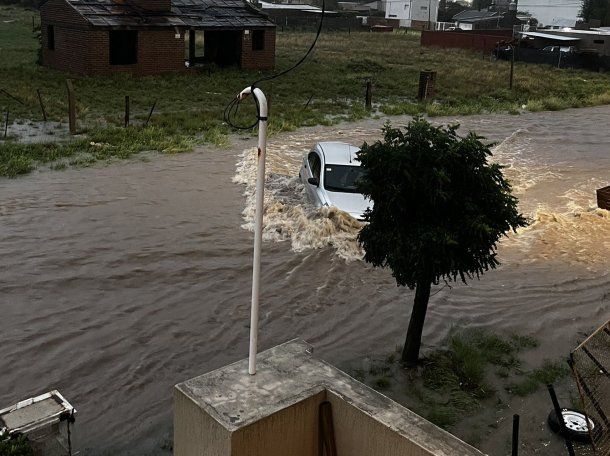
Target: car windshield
{"x":342,"y":178}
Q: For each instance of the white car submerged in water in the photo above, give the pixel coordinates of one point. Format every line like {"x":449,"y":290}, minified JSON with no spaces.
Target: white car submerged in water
{"x":330,"y":172}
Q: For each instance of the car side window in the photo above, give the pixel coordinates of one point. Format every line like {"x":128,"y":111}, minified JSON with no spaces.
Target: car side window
{"x":315,"y":164}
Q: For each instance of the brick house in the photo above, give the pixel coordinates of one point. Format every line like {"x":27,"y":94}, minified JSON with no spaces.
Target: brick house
{"x":146,"y":37}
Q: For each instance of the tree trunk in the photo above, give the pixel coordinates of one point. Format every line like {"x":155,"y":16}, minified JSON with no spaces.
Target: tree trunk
{"x":410,"y":352}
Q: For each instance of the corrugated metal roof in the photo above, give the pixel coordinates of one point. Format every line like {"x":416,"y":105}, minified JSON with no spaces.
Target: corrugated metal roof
{"x":222,"y":14}
{"x":550,"y":36}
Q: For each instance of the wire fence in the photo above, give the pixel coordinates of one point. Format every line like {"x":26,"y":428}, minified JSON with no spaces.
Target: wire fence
{"x":590,"y":363}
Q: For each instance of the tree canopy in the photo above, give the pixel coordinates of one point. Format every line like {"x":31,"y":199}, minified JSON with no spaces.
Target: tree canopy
{"x":596,"y":9}
{"x":448,"y":9}
{"x":439,"y":206}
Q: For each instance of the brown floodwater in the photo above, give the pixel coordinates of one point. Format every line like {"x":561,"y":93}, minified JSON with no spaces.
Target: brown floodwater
{"x":120,"y":280}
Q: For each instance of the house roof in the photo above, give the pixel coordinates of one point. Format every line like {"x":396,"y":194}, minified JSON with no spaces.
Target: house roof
{"x":550,"y":36}
{"x":203,"y":14}
{"x":474,"y":15}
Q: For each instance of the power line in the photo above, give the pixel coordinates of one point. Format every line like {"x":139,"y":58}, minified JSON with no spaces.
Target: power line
{"x":233,"y":106}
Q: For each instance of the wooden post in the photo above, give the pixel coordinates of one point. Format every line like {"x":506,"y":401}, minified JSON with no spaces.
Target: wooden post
{"x":44,"y":112}
{"x":512,"y":67}
{"x":150,"y":113}
{"x":126,"y":111}
{"x":6,"y":124}
{"x":368,"y":100}
{"x":71,"y":107}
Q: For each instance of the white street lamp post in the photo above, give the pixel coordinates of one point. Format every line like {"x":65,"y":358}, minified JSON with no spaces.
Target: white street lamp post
{"x":261,"y":102}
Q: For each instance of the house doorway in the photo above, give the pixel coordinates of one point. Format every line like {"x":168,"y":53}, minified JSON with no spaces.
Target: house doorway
{"x":222,"y":47}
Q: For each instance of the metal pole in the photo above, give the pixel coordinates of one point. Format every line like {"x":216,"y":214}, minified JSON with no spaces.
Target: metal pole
{"x":44,"y":112}
{"x":515,"y":451}
{"x":261,"y":102}
{"x":560,"y":420}
{"x":126,"y":111}
{"x":6,"y":124}
{"x":152,"y":109}
{"x":512,"y":66}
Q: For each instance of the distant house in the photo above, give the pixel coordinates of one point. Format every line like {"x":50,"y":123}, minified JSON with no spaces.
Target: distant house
{"x":485,"y":19}
{"x":472,"y":19}
{"x":421,"y":14}
{"x":154,"y":36}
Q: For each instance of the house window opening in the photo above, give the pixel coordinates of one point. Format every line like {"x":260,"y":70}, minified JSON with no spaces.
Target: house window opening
{"x":51,"y":37}
{"x":123,"y":47}
{"x":258,"y":40}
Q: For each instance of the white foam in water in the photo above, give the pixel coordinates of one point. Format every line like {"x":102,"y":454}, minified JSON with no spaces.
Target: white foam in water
{"x":288,"y":214}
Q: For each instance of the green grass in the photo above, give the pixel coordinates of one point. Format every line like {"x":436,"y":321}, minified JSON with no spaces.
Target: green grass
{"x":548,"y":373}
{"x":190,"y":105}
{"x":474,"y":368}
{"x":100,"y":144}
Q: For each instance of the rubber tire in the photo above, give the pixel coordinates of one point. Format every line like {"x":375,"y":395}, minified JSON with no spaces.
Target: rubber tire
{"x":571,"y":434}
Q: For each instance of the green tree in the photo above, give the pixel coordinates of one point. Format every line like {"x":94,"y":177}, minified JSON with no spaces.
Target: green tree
{"x":14,"y":446}
{"x":481,"y":4}
{"x":448,"y":9}
{"x":440,"y":209}
{"x":596,"y":9}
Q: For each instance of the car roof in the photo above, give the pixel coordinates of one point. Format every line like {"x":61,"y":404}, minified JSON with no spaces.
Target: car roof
{"x":339,"y":153}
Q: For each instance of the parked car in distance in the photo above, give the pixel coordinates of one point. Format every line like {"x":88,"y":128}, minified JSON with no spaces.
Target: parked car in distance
{"x":330,"y":172}
{"x":564,"y":49}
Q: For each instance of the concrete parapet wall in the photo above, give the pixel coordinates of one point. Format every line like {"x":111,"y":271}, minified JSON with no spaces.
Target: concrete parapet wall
{"x":276,"y":413}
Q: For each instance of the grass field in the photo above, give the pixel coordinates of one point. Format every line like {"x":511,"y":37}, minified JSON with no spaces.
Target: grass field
{"x":190,"y":106}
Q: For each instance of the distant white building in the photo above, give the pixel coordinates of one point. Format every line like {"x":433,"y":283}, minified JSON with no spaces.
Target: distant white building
{"x":562,"y":13}
{"x":413,"y":13}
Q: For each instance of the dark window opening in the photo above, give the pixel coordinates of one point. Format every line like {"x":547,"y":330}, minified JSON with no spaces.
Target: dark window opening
{"x":258,"y":40}
{"x":598,"y":41}
{"x":123,"y":47}
{"x":51,"y":37}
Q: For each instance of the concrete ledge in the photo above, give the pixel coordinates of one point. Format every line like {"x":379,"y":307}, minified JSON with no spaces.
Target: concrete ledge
{"x":228,"y":412}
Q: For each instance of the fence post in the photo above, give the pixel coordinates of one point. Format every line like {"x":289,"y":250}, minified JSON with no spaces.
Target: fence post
{"x":150,"y":113}
{"x":71,"y":107}
{"x":560,"y":420}
{"x":6,"y":124}
{"x":512,"y":67}
{"x":368,"y":101}
{"x":515,"y":451}
{"x":126,"y":111}
{"x":309,"y":101}
{"x":44,"y":112}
